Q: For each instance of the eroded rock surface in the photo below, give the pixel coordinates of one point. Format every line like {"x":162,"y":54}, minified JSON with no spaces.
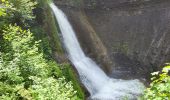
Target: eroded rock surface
{"x":129,"y":38}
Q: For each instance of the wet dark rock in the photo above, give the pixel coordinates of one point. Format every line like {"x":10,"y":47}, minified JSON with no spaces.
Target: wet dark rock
{"x":129,"y":38}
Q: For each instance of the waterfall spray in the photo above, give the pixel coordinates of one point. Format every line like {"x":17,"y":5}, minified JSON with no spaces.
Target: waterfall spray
{"x":100,"y":86}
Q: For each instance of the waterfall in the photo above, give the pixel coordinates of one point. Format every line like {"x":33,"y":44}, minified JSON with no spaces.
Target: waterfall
{"x":100,"y":86}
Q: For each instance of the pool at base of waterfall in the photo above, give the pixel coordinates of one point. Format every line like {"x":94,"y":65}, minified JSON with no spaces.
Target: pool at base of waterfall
{"x":118,"y":89}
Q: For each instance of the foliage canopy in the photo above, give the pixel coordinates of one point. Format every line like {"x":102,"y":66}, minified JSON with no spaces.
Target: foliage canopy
{"x":160,"y":86}
{"x":25,"y":73}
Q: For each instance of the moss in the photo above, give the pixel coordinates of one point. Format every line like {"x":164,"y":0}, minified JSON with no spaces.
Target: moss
{"x":71,"y":75}
{"x":49,"y":25}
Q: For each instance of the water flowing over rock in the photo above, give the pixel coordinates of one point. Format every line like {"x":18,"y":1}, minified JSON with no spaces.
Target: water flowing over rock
{"x":100,"y":86}
{"x":135,"y":33}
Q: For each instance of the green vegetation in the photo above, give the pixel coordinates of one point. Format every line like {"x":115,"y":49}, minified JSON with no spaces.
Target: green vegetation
{"x":25,"y":73}
{"x":160,"y":86}
{"x":49,"y":24}
{"x":69,"y":74}
{"x":27,"y":70}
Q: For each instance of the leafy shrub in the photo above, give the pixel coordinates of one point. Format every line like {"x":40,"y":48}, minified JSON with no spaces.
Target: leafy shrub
{"x":27,"y":71}
{"x":17,"y":11}
{"x":24,"y":8}
{"x":4,"y":4}
{"x":160,"y":86}
{"x":25,"y":74}
{"x":52,"y":89}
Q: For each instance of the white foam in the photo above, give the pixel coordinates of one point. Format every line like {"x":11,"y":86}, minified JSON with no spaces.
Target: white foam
{"x":100,"y":86}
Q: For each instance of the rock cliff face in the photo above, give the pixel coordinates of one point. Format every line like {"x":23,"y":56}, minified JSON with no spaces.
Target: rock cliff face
{"x":127,"y":37}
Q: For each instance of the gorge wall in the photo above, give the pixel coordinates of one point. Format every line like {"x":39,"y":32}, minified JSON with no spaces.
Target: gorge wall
{"x":129,"y":38}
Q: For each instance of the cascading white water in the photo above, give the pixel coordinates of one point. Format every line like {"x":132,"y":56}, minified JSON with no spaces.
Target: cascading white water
{"x":100,"y":86}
